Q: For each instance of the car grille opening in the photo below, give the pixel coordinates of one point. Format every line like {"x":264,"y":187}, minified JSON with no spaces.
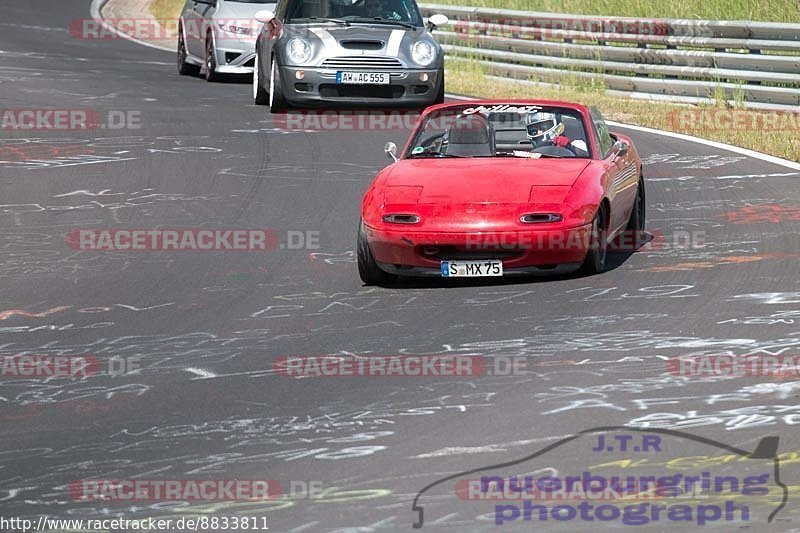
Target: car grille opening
{"x":454,"y":253}
{"x":362,"y":62}
{"x":329,"y":90}
{"x":250,"y":63}
{"x":230,"y":57}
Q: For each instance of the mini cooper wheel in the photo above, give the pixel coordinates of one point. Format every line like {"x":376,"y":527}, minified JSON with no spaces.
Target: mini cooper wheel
{"x":595,"y":261}
{"x":211,"y":60}
{"x":637,"y":218}
{"x":368,"y":269}
{"x":440,"y":94}
{"x":277,"y":102}
{"x":185,"y":68}
{"x":260,"y":96}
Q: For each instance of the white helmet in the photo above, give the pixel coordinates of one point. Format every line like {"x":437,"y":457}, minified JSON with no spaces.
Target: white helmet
{"x":543,"y":127}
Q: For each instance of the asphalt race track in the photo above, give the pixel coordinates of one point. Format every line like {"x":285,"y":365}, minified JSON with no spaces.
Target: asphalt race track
{"x":720,"y":277}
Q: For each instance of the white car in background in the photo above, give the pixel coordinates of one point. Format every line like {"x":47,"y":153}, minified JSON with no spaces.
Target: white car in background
{"x":219,"y":36}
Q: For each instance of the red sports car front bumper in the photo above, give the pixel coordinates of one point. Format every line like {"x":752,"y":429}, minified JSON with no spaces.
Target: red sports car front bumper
{"x":406,"y":251}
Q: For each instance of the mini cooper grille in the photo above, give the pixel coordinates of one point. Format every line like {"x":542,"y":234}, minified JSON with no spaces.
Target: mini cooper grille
{"x":362,"y":62}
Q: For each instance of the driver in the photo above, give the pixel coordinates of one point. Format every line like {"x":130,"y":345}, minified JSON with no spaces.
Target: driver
{"x":385,"y":9}
{"x":547,"y":129}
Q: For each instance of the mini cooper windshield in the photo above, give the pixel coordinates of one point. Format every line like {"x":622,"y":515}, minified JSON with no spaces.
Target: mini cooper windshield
{"x":391,"y":12}
{"x":503,"y":130}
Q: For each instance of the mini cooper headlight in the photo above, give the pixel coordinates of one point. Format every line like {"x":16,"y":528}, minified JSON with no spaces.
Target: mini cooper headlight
{"x":298,"y":50}
{"x":423,"y":53}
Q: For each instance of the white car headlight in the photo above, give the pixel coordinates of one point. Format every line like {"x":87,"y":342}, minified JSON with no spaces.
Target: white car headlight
{"x":423,"y":53}
{"x":298,"y":50}
{"x":238,"y":30}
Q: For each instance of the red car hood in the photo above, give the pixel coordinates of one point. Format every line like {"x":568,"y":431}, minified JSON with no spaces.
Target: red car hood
{"x":489,"y":180}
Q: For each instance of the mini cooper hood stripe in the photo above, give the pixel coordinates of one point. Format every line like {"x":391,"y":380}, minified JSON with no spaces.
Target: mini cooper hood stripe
{"x":332,"y":46}
{"x":328,"y":40}
{"x":395,"y":40}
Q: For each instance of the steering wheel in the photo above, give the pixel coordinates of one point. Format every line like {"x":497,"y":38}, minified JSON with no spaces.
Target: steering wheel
{"x":556,"y":151}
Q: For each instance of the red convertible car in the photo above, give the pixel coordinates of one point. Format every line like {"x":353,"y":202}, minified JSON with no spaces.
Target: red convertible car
{"x":495,"y":188}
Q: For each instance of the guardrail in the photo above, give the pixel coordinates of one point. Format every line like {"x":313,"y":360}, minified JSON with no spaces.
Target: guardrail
{"x":755,"y":63}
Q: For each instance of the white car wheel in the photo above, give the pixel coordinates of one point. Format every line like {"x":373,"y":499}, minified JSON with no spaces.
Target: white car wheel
{"x":260,"y":96}
{"x":272,"y":84}
{"x":277,"y":102}
{"x":255,"y":79}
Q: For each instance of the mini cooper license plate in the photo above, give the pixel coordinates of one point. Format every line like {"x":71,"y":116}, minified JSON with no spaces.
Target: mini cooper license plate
{"x":472,"y":269}
{"x":363,"y":78}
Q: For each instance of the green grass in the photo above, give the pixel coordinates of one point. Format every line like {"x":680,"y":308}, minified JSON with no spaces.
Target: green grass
{"x":166,"y":9}
{"x":762,"y":10}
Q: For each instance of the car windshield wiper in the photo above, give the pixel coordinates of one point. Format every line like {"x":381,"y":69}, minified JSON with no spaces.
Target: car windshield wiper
{"x":322,"y":19}
{"x":379,"y":20}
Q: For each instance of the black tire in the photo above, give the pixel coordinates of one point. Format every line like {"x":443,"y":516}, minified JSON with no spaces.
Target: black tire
{"x":595,"y":262}
{"x":368,"y":269}
{"x":440,"y":95}
{"x":260,"y":95}
{"x":277,"y":102}
{"x":636,"y":222}
{"x":185,"y":68}
{"x":211,"y":61}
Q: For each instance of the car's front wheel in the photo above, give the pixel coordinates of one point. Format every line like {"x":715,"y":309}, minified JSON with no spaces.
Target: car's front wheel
{"x":595,"y":261}
{"x":368,"y":269}
{"x":211,"y":60}
{"x":277,"y":102}
{"x":440,"y":93}
{"x":185,"y":68}
{"x":260,"y":96}
{"x":637,"y":218}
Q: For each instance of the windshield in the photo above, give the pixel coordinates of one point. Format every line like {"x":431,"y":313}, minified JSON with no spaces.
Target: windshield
{"x":364,"y":11}
{"x":501,"y":130}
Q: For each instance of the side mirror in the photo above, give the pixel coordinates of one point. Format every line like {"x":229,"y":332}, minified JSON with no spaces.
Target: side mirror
{"x":437,"y":20}
{"x":264,"y":16}
{"x":620,"y":148}
{"x":391,"y":151}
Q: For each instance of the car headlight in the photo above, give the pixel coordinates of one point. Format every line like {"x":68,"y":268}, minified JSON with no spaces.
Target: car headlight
{"x":238,"y":30}
{"x":298,"y":50}
{"x":423,"y":53}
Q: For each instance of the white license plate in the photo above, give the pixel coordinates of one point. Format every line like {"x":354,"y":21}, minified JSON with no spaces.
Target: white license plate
{"x":472,"y":269}
{"x":363,"y":78}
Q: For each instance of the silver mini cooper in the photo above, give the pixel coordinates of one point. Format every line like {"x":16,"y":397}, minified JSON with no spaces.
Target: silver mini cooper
{"x":318,"y":53}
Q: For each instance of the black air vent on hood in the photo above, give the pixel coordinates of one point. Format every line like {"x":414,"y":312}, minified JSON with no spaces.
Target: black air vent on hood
{"x":362,"y":44}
